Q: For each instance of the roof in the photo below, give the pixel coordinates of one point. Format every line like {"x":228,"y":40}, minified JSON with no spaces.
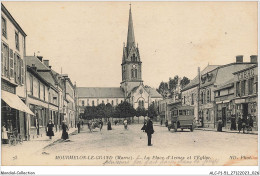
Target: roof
{"x":153,"y":93}
{"x":100,"y":92}
{"x":30,"y":60}
{"x":48,"y":77}
{"x":195,"y":81}
{"x":225,"y":85}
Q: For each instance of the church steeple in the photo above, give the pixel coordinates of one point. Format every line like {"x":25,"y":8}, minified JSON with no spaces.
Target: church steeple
{"x":130,"y":34}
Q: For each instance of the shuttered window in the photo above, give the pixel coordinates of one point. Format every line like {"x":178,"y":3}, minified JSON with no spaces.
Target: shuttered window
{"x":11,"y":63}
{"x":15,"y":68}
{"x":22,"y":72}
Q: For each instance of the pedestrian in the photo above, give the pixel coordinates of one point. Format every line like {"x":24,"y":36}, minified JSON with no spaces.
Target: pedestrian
{"x":49,"y":129}
{"x":82,"y":123}
{"x":239,"y":123}
{"x":161,"y":122}
{"x":220,"y":125}
{"x":166,"y":123}
{"x":244,"y":124}
{"x":4,"y":134}
{"x":125,"y":124}
{"x":109,"y":125}
{"x":78,"y":125}
{"x":100,"y":124}
{"x":149,"y":130}
{"x":65,"y":128}
{"x":233,"y":122}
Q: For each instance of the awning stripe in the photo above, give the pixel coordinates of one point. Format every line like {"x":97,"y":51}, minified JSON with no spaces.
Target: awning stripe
{"x":15,"y":102}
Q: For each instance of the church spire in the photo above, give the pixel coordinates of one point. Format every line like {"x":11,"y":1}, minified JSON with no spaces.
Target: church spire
{"x":130,"y":34}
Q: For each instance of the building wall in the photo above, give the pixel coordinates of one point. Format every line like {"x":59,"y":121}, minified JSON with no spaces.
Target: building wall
{"x":188,"y":100}
{"x":97,"y":101}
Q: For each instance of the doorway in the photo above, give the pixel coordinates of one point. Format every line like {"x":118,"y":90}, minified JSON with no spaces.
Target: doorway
{"x":224,"y":116}
{"x":245,"y":110}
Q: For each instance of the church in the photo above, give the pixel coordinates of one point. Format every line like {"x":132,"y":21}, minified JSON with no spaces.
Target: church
{"x":131,"y":88}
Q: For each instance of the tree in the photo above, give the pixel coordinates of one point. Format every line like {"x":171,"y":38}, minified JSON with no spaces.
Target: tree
{"x":185,"y":81}
{"x":152,"y":111}
{"x":109,"y":110}
{"x":140,"y":112}
{"x":124,"y":110}
{"x":101,"y":111}
{"x":89,"y":112}
{"x":163,"y":89}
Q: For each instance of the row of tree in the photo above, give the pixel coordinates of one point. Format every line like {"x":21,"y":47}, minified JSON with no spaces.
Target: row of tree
{"x":168,"y":89}
{"x":122,"y":110}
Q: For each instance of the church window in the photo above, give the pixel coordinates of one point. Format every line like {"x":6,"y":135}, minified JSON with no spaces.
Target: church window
{"x":112,"y":102}
{"x":83,"y":103}
{"x":103,"y":102}
{"x":97,"y":101}
{"x":117,"y":101}
{"x":93,"y":103}
{"x":135,"y":73}
{"x":107,"y":100}
{"x":121,"y":101}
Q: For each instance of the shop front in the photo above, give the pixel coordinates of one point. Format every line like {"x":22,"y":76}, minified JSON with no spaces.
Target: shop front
{"x":13,"y":119}
{"x":225,"y":112}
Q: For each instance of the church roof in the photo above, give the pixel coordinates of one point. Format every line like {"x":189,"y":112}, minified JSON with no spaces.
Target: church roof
{"x":100,"y":92}
{"x":153,"y":93}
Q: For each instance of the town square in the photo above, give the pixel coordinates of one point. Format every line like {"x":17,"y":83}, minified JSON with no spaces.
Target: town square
{"x":129,"y":84}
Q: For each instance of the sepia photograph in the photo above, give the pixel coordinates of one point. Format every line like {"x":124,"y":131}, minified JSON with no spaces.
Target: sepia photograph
{"x":129,"y":83}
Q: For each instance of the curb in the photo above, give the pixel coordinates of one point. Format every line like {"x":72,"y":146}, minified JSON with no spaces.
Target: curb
{"x":203,"y":129}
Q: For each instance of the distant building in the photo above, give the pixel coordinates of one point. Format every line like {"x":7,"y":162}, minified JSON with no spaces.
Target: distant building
{"x":131,"y":89}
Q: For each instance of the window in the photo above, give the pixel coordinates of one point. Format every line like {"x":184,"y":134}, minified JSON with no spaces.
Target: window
{"x":97,"y":101}
{"x":250,"y":86}
{"x":11,"y":63}
{"x":121,"y":101}
{"x":5,"y":60}
{"x":17,"y":40}
{"x":32,"y":118}
{"x":243,"y":87}
{"x":103,"y":102}
{"x":184,"y":100}
{"x":93,"y":103}
{"x":112,"y":102}
{"x":208,"y":96}
{"x":83,"y":103}
{"x":238,"y":89}
{"x":44,"y":93}
{"x":117,"y":101}
{"x":192,"y":99}
{"x":4,"y":33}
{"x":202,"y":98}
{"x":31,"y":84}
{"x":22,"y":72}
{"x":39,"y":89}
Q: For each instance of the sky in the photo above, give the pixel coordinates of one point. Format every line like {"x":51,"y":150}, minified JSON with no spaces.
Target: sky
{"x":86,"y":39}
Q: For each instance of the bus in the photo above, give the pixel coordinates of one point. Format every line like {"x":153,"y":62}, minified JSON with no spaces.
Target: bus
{"x":182,"y":117}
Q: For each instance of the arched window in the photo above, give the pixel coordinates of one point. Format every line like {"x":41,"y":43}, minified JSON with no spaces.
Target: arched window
{"x":93,"y":103}
{"x":132,"y":73}
{"x":135,"y":73}
{"x":112,"y":102}
{"x":83,"y":103}
{"x":142,"y":103}
{"x":202,"y":98}
{"x":192,"y":99}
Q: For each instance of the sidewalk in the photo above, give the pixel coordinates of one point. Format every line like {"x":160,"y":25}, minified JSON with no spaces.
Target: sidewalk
{"x":30,"y":147}
{"x":227,"y":131}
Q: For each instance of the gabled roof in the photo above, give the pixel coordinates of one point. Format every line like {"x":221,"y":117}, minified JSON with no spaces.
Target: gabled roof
{"x":48,"y":77}
{"x":30,"y":60}
{"x":100,"y":92}
{"x":225,"y":85}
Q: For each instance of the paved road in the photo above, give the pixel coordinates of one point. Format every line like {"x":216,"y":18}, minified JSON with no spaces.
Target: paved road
{"x":129,"y":147}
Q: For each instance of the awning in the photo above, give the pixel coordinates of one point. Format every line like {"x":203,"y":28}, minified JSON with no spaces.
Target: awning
{"x":226,"y":101}
{"x":219,"y":102}
{"x":15,"y":102}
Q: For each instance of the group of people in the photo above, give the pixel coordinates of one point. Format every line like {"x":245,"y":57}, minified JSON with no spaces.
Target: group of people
{"x":65,"y":129}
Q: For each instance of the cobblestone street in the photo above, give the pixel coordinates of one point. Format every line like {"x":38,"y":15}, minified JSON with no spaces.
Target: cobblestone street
{"x":129,"y":147}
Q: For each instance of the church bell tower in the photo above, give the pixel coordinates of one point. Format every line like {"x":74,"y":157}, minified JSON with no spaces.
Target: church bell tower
{"x":131,"y":62}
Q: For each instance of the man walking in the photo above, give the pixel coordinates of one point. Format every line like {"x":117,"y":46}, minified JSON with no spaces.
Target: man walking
{"x":78,"y":125}
{"x":149,"y":130}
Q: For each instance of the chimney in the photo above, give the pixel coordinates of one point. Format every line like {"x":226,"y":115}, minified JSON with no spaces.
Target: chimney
{"x":46,"y":63}
{"x":40,"y":58}
{"x":239,"y":59}
{"x":253,"y":59}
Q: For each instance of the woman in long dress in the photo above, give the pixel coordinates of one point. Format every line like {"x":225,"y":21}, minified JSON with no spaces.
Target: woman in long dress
{"x":50,"y":126}
{"x":64,"y":131}
{"x":4,"y":135}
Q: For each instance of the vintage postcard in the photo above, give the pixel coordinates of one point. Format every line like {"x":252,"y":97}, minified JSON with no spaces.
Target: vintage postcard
{"x":129,"y":83}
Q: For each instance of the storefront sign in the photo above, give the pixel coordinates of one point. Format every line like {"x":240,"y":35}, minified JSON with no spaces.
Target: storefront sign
{"x":240,"y":101}
{"x":245,"y":74}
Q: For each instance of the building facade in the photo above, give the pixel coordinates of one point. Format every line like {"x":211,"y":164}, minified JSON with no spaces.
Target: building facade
{"x":13,"y":90}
